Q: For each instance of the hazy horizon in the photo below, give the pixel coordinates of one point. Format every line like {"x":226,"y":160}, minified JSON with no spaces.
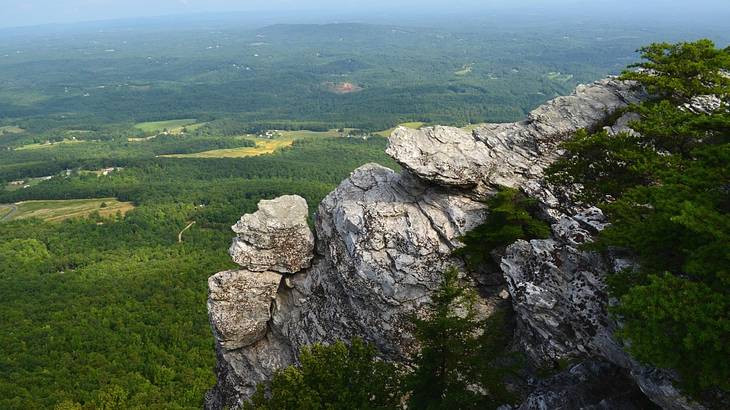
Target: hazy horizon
{"x":24,"y":13}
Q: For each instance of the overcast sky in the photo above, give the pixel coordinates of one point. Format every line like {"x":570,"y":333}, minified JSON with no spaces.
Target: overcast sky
{"x":33,"y":12}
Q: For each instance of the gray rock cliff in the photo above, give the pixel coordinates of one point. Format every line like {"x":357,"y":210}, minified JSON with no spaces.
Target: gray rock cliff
{"x":383,"y":240}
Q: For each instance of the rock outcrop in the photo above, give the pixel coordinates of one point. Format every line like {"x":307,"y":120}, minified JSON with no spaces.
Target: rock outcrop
{"x":273,"y":241}
{"x":276,"y":237}
{"x":384,"y":239}
{"x":239,"y":306}
{"x":508,"y":154}
{"x":584,"y":386}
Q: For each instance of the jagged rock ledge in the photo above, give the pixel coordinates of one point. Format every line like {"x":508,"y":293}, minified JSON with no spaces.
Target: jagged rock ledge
{"x":384,"y":238}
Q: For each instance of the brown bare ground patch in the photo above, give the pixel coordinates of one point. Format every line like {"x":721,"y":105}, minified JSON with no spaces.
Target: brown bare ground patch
{"x":343,"y":88}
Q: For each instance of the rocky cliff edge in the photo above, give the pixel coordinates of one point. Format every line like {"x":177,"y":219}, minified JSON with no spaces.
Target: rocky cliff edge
{"x":383,"y":239}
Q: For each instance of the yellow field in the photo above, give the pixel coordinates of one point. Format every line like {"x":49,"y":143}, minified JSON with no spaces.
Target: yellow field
{"x":413,"y":125}
{"x":59,"y":210}
{"x":263,"y":146}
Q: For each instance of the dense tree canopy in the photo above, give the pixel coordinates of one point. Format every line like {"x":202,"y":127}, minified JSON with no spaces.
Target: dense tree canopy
{"x":665,"y":191}
{"x":512,"y":216}
{"x":683,"y":70}
{"x":336,"y":377}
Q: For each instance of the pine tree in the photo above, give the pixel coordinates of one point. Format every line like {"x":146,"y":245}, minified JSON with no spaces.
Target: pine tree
{"x":455,"y":368}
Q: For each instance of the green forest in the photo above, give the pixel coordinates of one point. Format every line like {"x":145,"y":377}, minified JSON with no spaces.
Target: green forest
{"x":108,"y":310}
{"x":99,"y":308}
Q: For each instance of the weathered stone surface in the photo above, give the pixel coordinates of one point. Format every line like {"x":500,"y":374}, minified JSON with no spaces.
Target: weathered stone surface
{"x":445,"y":155}
{"x":239,"y":371}
{"x":275,"y":238}
{"x":590,"y":385}
{"x":239,"y":304}
{"x":385,"y":240}
{"x":560,"y":302}
{"x":508,"y":154}
{"x":704,"y":104}
{"x":622,"y":124}
{"x":559,"y":295}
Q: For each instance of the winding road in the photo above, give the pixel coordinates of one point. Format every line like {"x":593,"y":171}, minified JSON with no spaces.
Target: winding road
{"x":179,"y":236}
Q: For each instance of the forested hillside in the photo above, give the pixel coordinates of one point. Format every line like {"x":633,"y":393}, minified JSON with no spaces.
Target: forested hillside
{"x":107,"y":310}
{"x":112,"y":310}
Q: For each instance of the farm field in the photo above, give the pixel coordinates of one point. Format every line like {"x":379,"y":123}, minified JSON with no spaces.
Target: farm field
{"x":6,"y":211}
{"x":59,"y":210}
{"x":414,"y":125}
{"x":172,"y":126}
{"x":47,"y":145}
{"x":263,"y":146}
{"x":10,"y":129}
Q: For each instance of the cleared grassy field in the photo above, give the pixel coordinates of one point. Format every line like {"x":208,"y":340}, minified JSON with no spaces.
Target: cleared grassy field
{"x":413,"y":125}
{"x":172,"y":126}
{"x":10,"y":129}
{"x":263,"y":146}
{"x":559,"y":76}
{"x":48,"y":144}
{"x":58,"y":210}
{"x":5,"y":211}
{"x":309,"y":134}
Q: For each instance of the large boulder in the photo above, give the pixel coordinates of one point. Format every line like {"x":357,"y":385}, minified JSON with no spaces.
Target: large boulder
{"x":239,"y":305}
{"x":508,"y":154}
{"x":276,"y":237}
{"x":272,"y":241}
{"x":444,"y":155}
{"x":383,"y":241}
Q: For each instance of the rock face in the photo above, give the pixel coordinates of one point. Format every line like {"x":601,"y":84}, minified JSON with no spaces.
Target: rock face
{"x":704,"y":104}
{"x":276,"y":237}
{"x":584,"y":386}
{"x":508,"y":154}
{"x":273,"y":240}
{"x":384,"y":239}
{"x":239,"y":304}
